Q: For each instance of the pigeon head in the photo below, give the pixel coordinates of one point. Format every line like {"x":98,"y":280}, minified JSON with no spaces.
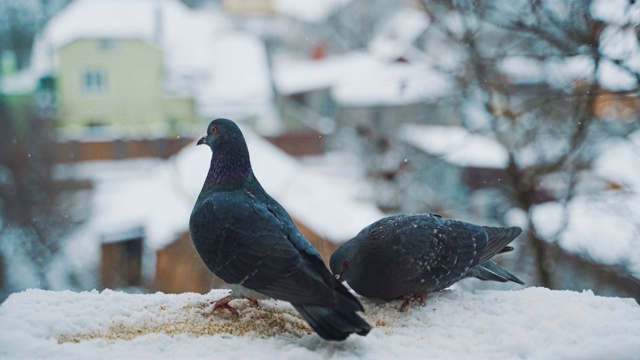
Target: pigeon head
{"x":341,"y":261}
{"x":230,"y":164}
{"x":221,"y":131}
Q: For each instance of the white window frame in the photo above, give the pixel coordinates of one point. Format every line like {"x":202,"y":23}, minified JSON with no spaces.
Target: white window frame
{"x":94,"y":81}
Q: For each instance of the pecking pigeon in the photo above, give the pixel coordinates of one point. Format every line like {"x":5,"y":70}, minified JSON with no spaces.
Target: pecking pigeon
{"x":410,"y":255}
{"x":245,"y":237}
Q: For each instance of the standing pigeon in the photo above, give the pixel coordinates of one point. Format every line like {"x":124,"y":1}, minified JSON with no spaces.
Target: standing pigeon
{"x":410,"y":255}
{"x":245,"y":237}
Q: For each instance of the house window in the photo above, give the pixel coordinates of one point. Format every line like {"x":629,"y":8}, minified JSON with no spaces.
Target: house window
{"x":94,"y":81}
{"x":109,"y":45}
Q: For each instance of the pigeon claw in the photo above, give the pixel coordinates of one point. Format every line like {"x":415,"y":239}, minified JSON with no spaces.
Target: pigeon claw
{"x":410,"y":299}
{"x":252,"y":300}
{"x":222,"y":303}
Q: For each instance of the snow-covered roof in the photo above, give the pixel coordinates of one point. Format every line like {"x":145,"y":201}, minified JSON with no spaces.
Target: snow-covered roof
{"x":360,"y":78}
{"x":619,"y":162}
{"x":456,"y":145}
{"x":128,"y":194}
{"x":602,"y":226}
{"x":158,"y":195}
{"x":238,"y":82}
{"x":226,"y":72}
{"x":312,"y":11}
{"x":396,"y":36}
{"x":533,"y":323}
{"x":292,"y":76}
{"x":23,"y":82}
{"x":180,"y":32}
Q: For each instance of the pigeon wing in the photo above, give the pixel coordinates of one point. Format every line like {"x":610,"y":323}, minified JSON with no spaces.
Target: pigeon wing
{"x":443,"y":249}
{"x":257,"y":249}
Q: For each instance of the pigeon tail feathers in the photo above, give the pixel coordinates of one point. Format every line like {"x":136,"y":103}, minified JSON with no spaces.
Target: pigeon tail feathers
{"x":332,"y":324}
{"x":499,"y":237}
{"x":489,"y":270}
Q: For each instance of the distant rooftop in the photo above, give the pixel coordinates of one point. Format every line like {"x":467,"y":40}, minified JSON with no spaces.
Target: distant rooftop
{"x":360,"y":78}
{"x":309,"y":10}
{"x":225,"y":71}
{"x":456,"y":145}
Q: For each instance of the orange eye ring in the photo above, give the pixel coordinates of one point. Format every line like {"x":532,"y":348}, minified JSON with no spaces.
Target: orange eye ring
{"x":214,"y":129}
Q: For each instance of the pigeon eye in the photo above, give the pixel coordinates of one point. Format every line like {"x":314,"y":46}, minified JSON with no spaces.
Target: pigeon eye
{"x":214,"y":129}
{"x":346,"y":263}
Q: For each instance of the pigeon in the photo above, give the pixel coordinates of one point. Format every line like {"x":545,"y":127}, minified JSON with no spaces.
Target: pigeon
{"x":247,"y":239}
{"x":409,"y":255}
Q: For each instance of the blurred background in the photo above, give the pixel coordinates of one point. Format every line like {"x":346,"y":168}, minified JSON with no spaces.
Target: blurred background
{"x":505,"y":112}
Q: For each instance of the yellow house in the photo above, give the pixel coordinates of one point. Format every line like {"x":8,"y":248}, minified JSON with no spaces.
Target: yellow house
{"x":119,"y":83}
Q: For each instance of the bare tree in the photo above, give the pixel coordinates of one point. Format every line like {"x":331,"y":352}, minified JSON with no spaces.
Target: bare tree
{"x":35,"y":208}
{"x":547,"y":128}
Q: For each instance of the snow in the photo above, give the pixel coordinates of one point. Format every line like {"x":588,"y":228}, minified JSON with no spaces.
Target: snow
{"x":313,"y":11}
{"x":292,"y":76}
{"x":360,"y":78}
{"x":534,"y":323}
{"x":603,"y":227}
{"x":557,"y":72}
{"x":397,"y":34}
{"x":619,"y":12}
{"x":456,"y":145}
{"x":613,"y":77}
{"x":238,"y":83}
{"x":371,"y":77}
{"x":180,"y":30}
{"x":619,"y":162}
{"x":19,"y":83}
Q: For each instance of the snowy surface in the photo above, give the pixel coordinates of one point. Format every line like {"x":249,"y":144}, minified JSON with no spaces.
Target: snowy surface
{"x":533,"y":323}
{"x":456,"y":145}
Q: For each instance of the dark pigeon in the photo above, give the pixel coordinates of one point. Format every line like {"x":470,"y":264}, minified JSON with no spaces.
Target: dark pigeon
{"x":245,"y":237}
{"x":410,"y":255}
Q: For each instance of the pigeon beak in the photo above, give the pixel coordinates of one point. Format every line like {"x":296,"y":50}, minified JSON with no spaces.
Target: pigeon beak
{"x":338,"y":276}
{"x":202,"y":140}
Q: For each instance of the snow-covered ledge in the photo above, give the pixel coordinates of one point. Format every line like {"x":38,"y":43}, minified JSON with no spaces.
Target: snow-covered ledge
{"x":530,"y":323}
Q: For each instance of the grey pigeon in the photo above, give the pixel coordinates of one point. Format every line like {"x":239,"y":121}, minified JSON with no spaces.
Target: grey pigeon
{"x":406,"y":255}
{"x":245,"y":237}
